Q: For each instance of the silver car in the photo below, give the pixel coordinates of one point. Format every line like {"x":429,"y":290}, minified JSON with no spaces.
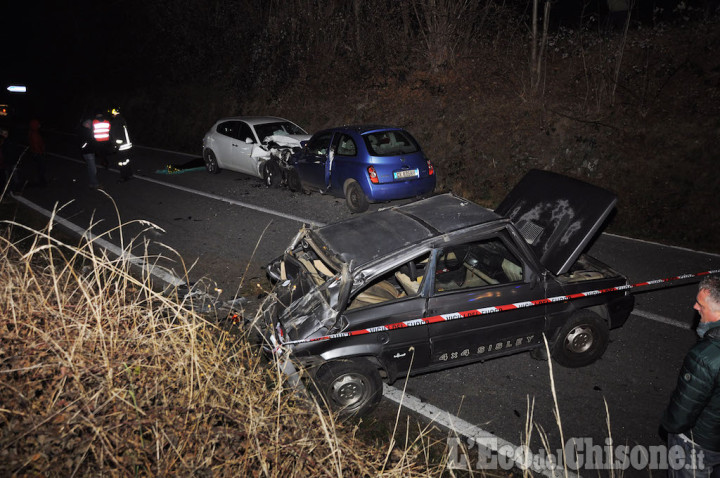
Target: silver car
{"x":253,"y":145}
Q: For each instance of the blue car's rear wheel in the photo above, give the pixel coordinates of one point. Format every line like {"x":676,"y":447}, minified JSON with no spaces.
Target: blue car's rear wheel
{"x":355,"y":198}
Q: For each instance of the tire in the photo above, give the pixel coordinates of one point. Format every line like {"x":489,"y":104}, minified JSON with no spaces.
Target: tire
{"x":355,"y":198}
{"x":271,"y":174}
{"x":350,"y":387}
{"x":581,"y":341}
{"x":293,"y":180}
{"x":211,"y":163}
{"x":285,"y":155}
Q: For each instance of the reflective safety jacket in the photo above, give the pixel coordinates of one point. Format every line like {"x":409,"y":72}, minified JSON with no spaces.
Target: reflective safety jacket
{"x":119,"y":134}
{"x":101,"y":130}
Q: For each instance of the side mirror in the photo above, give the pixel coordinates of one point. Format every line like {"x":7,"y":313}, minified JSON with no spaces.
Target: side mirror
{"x":249,"y":141}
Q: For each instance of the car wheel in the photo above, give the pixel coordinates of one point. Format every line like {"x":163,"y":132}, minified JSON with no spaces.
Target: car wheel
{"x":350,"y":387}
{"x":285,"y":155}
{"x":211,"y":163}
{"x":293,"y":180}
{"x":581,"y":341}
{"x":271,"y":174}
{"x":355,"y":198}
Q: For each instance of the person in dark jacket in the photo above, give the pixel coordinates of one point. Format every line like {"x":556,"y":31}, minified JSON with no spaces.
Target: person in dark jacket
{"x":94,"y":137}
{"x":692,"y":419}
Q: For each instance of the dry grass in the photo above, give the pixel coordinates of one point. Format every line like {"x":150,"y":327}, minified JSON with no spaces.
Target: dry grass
{"x":101,"y":375}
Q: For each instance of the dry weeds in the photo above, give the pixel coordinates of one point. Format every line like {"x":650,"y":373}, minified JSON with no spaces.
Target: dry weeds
{"x":101,"y":375}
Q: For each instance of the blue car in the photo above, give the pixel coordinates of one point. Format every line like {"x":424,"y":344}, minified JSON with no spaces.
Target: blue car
{"x":363,"y":164}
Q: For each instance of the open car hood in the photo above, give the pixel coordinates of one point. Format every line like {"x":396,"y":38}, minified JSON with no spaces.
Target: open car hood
{"x":558,"y":216}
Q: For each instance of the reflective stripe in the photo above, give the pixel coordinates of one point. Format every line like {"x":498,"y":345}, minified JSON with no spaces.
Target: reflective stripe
{"x":466,"y":314}
{"x":101,"y":130}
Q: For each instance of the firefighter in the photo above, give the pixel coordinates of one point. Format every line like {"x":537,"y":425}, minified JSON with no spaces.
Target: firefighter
{"x":121,"y":143}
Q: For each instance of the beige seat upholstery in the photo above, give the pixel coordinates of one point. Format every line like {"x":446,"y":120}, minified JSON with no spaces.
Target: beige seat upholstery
{"x":512,"y":270}
{"x":322,"y":268}
{"x":375,"y":294}
{"x":409,"y":286}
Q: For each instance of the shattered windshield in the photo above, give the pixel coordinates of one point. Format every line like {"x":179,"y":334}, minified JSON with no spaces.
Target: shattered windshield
{"x":318,"y":309}
{"x":281,"y":128}
{"x":390,"y":143}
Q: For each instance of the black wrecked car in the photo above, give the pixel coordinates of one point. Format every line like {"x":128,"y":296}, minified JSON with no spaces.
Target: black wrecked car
{"x":443,"y":282}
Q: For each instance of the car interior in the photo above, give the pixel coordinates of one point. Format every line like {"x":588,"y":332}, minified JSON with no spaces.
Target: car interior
{"x":479,"y":264}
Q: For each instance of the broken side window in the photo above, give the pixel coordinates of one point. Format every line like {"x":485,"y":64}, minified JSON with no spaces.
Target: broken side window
{"x":400,"y":282}
{"x":476,"y":264}
{"x":347,"y":146}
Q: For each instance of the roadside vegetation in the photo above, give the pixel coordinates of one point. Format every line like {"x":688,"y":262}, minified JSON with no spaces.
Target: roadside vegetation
{"x":489,"y":90}
{"x":102,"y":375}
{"x":105,"y":374}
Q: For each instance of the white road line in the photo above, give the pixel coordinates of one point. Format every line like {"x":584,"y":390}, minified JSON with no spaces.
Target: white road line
{"x":536,"y":463}
{"x":679,"y":248}
{"x":662,"y":319}
{"x":154,"y":270}
{"x":233,"y":201}
{"x":212,"y":196}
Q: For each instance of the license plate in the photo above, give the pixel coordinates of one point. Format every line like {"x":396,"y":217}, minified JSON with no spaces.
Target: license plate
{"x":406,"y":173}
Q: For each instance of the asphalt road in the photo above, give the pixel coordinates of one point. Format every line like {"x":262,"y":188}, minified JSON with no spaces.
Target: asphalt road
{"x":226,"y":226}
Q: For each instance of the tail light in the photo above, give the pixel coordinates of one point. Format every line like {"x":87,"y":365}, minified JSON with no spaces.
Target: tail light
{"x":373,"y":175}
{"x":431,"y":170}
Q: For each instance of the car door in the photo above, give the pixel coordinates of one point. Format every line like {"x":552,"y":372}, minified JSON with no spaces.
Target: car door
{"x":223,"y":143}
{"x":343,"y":154}
{"x":244,"y":145}
{"x":311,"y":163}
{"x":394,"y":297}
{"x":475,"y":274}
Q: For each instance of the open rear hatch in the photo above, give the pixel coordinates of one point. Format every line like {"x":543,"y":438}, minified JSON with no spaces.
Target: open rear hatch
{"x":558,"y":216}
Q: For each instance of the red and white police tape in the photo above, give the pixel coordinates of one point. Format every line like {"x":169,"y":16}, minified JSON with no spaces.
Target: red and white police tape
{"x":491,"y":310}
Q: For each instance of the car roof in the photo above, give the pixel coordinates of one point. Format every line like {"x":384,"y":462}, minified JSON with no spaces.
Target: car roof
{"x":557,"y":216}
{"x":368,"y":237}
{"x":361,"y":128}
{"x":253,"y":120}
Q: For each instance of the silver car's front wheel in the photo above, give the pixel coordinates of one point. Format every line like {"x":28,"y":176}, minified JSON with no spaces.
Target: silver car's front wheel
{"x":271,"y":174}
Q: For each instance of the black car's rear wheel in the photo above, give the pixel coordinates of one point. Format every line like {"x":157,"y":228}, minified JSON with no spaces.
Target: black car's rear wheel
{"x":211,"y":163}
{"x":350,"y":387}
{"x":581,"y":341}
{"x":355,"y":198}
